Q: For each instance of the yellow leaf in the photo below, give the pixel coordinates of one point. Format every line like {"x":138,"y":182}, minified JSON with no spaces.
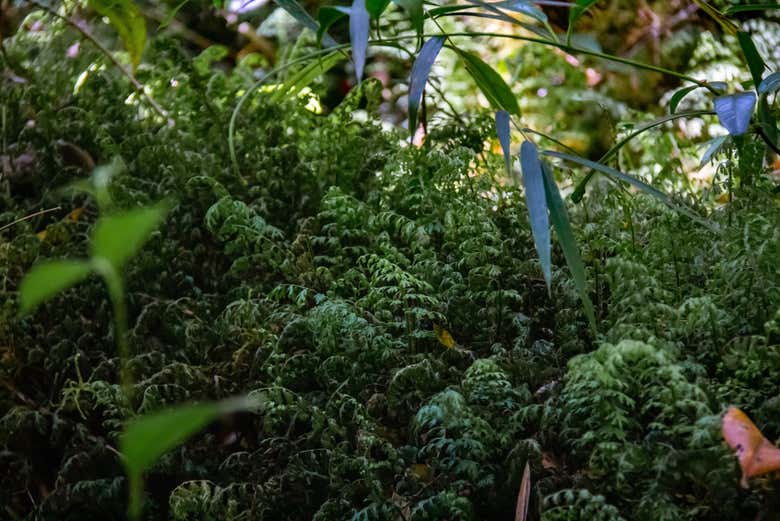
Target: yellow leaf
{"x":41,"y":235}
{"x":443,"y":336}
{"x":75,"y":214}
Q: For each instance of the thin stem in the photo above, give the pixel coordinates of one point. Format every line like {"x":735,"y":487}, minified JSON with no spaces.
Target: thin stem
{"x":128,"y":74}
{"x":27,"y":217}
{"x":116,"y":293}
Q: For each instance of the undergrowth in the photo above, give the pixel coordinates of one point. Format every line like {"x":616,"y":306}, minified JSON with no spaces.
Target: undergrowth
{"x":315,"y":278}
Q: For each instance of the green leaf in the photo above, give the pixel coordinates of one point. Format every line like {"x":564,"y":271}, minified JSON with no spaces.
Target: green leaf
{"x":733,"y":9}
{"x":537,"y":205}
{"x":329,"y":15}
{"x":414,"y":9}
{"x":128,"y":21}
{"x":525,"y":7}
{"x":147,"y":438}
{"x":306,"y":75}
{"x":490,"y":83}
{"x":754,"y":60}
{"x":726,"y":24}
{"x":419,"y":76}
{"x":297,"y":11}
{"x":678,"y":96}
{"x":118,"y":237}
{"x":358,"y":35}
{"x":47,"y":279}
{"x":376,"y":7}
{"x":563,"y":230}
{"x":575,"y":13}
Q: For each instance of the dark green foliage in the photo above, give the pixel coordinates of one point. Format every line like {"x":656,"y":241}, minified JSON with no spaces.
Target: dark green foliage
{"x":311,"y":280}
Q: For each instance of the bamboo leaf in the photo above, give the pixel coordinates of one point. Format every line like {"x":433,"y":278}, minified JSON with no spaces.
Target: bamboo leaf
{"x":537,"y":205}
{"x":490,"y":83}
{"x":376,"y":7}
{"x":715,"y":146}
{"x":306,"y":75}
{"x":755,"y":62}
{"x":297,"y":11}
{"x":358,"y":35}
{"x":419,"y":76}
{"x":502,"y":130}
{"x":560,"y":221}
{"x":735,"y":111}
{"x":575,"y":13}
{"x":329,"y":15}
{"x":770,"y":84}
{"x":414,"y":9}
{"x":633,"y":181}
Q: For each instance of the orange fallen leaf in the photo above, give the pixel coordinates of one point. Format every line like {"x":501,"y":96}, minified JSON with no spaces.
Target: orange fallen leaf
{"x":74,"y":215}
{"x":524,"y":495}
{"x":756,"y":454}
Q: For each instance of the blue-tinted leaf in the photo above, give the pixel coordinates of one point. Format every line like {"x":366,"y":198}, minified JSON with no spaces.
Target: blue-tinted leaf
{"x":502,"y":130}
{"x":560,"y":221}
{"x":490,"y":83}
{"x":755,"y":62}
{"x":715,"y":146}
{"x":358,"y":35}
{"x":525,"y":7}
{"x":376,"y":7}
{"x":537,"y":204}
{"x":297,"y":11}
{"x":118,"y":237}
{"x":45,"y":280}
{"x":419,"y":76}
{"x":735,"y":111}
{"x":329,"y":15}
{"x":770,"y":84}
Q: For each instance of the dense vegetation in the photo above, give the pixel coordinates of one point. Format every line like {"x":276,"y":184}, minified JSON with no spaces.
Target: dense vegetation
{"x":381,"y":305}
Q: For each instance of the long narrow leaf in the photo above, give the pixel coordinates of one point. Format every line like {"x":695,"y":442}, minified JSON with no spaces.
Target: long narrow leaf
{"x":490,"y":83}
{"x":523,"y":495}
{"x":419,"y":77}
{"x":537,"y":205}
{"x":329,"y":15}
{"x":297,"y":11}
{"x":575,"y":13}
{"x":560,"y":220}
{"x":579,"y":191}
{"x":502,"y":130}
{"x":414,"y":9}
{"x":633,"y":181}
{"x":770,"y":84}
{"x":755,"y":62}
{"x":358,"y":35}
{"x":306,"y":75}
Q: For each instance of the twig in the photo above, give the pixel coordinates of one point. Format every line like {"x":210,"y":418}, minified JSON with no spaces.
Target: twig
{"x":129,"y":75}
{"x":26,"y":217}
